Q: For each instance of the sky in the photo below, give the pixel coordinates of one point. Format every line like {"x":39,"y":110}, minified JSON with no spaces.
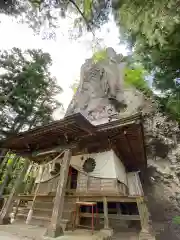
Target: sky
{"x":67,"y":55}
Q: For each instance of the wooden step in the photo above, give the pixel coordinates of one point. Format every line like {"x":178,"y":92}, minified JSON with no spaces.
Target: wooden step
{"x":41,"y":209}
{"x":36,"y":212}
{"x":36,"y":220}
{"x":36,"y":209}
{"x":34,"y":217}
{"x":44,"y":221}
{"x":44,"y":205}
{"x":113,"y":216}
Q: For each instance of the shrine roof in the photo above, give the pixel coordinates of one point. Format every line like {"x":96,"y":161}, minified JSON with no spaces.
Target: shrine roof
{"x":56,"y":132}
{"x":125,"y":136}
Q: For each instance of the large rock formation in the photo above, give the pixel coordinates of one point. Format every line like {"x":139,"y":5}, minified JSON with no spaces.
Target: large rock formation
{"x":103,"y":96}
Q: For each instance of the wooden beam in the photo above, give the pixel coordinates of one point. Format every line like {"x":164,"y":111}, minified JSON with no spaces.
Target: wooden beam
{"x":84,"y":124}
{"x":54,"y":150}
{"x":55,"y":229}
{"x":83,"y":197}
{"x":106,"y":219}
{"x":113,"y":216}
{"x":8,"y":205}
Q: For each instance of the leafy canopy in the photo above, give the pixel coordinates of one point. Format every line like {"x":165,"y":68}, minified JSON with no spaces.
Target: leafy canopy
{"x":152,"y":30}
{"x":27,"y":90}
{"x":86,"y":13}
{"x":136,"y":77}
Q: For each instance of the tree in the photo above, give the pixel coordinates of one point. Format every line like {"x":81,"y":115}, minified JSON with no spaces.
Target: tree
{"x":152,"y":29}
{"x":12,"y":167}
{"x":85,"y":12}
{"x":151,"y":20}
{"x":27,"y":91}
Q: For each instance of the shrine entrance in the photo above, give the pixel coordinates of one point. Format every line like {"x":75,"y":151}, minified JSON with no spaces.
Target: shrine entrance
{"x":72,"y":179}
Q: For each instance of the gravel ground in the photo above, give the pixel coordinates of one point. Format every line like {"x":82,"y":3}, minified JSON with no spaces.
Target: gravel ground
{"x":21,"y":232}
{"x":28,"y":232}
{"x":9,"y":236}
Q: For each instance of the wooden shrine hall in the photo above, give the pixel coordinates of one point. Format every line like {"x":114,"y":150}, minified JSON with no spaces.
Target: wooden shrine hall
{"x":105,"y":161}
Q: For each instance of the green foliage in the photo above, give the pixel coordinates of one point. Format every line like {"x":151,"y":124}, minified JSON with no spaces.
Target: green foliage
{"x":27,"y":90}
{"x":74,"y":86}
{"x":152,"y":20}
{"x":87,"y":8}
{"x":88,"y":13}
{"x":136,"y":78}
{"x":10,"y":172}
{"x":152,"y":29}
{"x":6,"y":175}
{"x":99,"y":56}
{"x":9,"y":161}
{"x":170,"y":105}
{"x":27,"y":100}
{"x":176,"y":220}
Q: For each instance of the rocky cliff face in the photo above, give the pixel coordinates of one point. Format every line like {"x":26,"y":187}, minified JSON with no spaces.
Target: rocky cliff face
{"x":162,"y":185}
{"x":101,"y":97}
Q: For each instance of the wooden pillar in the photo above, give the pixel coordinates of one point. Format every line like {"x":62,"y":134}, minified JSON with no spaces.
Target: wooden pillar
{"x":8,"y":205}
{"x":118,"y":208}
{"x":106,"y":219}
{"x":55,"y":229}
{"x":146,"y":228}
{"x":77,"y":220}
{"x":144,"y":214}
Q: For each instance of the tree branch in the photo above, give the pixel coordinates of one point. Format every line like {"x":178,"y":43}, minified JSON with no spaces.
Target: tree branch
{"x":82,"y":15}
{"x":106,"y":5}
